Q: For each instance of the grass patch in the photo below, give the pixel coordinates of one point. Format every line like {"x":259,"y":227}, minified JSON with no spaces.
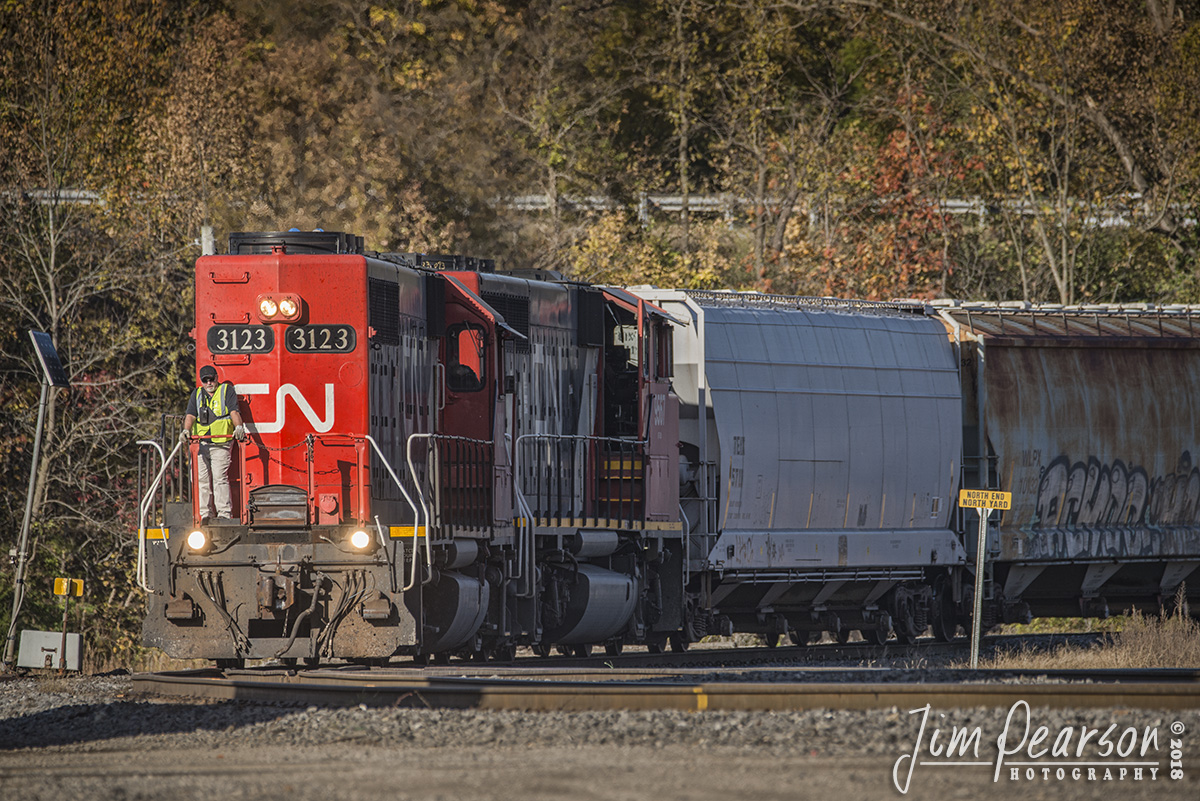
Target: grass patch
{"x":1066,"y":625}
{"x":1168,"y":640}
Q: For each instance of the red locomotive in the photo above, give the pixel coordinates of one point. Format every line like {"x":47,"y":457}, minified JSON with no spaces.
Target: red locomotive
{"x":439,"y":459}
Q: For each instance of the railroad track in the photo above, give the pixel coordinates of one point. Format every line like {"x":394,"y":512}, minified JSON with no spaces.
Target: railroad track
{"x":565,"y":689}
{"x":820,"y":654}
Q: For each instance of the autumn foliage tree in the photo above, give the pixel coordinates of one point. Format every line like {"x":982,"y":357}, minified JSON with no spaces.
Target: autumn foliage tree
{"x":891,"y":238}
{"x":75,"y":262}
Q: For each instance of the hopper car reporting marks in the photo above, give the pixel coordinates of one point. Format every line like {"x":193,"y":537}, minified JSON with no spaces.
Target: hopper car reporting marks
{"x":445,"y":459}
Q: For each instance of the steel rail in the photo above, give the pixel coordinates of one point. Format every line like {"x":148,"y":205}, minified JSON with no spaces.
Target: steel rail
{"x":815,"y":653}
{"x":348,"y":688}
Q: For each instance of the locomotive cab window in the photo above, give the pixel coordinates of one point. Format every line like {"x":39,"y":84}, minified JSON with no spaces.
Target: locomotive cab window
{"x":465,"y":363}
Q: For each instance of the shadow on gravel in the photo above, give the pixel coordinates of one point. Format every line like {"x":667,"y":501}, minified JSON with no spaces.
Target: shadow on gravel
{"x":70,"y":725}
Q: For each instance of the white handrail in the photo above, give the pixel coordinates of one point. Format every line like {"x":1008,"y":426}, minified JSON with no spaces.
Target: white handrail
{"x":687,"y":545}
{"x":412,"y":470}
{"x":412,"y":505}
{"x":519,"y":571}
{"x":548,"y":437}
{"x":144,"y":507}
{"x":525,"y":557}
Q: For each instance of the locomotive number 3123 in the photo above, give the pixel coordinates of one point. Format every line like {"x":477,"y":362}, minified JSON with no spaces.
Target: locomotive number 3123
{"x":241,"y":339}
{"x":320,"y":338}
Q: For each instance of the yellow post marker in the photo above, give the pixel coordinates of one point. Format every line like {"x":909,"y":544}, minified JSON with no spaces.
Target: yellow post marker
{"x":66,"y":587}
{"x":981,"y":499}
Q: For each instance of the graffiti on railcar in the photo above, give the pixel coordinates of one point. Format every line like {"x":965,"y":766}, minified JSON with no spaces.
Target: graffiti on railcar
{"x":1116,"y":494}
{"x":1100,"y":510}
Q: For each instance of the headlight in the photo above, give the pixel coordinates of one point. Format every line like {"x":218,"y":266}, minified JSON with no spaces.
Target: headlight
{"x":197,"y":540}
{"x":267,"y":307}
{"x":288,"y":307}
{"x":360,"y":539}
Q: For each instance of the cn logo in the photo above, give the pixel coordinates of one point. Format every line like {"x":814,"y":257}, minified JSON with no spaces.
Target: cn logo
{"x":319,"y":424}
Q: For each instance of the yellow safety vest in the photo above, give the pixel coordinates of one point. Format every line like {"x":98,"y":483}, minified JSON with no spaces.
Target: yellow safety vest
{"x":220,"y":425}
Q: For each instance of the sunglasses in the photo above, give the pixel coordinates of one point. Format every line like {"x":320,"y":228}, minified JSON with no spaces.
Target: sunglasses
{"x":208,"y":380}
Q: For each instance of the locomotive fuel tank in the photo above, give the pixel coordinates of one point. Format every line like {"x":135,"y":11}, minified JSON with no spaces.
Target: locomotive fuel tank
{"x":592,"y":605}
{"x":455,"y":606}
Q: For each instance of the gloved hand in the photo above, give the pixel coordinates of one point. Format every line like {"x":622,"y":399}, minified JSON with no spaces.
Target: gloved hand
{"x":239,"y":433}
{"x":185,"y":435}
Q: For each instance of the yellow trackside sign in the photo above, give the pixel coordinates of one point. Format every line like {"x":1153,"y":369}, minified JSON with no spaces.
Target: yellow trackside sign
{"x":985,"y":499}
{"x":66,"y":586}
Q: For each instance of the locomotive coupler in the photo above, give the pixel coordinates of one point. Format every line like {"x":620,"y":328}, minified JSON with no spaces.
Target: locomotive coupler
{"x":276,"y":592}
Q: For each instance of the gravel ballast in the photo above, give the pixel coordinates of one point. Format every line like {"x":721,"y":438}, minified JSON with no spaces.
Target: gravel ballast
{"x":91,"y":737}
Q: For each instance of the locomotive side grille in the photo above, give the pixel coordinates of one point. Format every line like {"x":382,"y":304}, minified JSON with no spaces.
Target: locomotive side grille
{"x":384,"y":299}
{"x":515,"y":311}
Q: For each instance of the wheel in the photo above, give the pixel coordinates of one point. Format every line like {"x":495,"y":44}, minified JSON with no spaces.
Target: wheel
{"x":441,"y":658}
{"x":582,"y":651}
{"x":655,"y":646}
{"x":505,"y":653}
{"x":945,"y":617}
{"x":908,"y":619}
{"x":614,"y":647}
{"x":679,"y":643}
{"x":874,"y":636}
{"x":542,"y":649}
{"x":842,"y":636}
{"x":800,"y":637}
{"x":770,"y":640}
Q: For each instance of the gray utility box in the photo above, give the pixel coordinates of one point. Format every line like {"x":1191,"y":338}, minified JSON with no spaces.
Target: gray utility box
{"x":40,"y":649}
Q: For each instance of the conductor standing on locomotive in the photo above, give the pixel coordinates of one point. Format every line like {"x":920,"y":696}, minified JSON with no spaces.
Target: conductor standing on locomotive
{"x":212,"y":411}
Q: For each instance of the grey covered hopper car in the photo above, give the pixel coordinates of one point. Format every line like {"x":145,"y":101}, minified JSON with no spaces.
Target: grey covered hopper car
{"x":820,"y":457}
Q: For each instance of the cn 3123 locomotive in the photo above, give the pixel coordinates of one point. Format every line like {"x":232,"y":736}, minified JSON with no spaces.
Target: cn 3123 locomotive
{"x":447,"y":459}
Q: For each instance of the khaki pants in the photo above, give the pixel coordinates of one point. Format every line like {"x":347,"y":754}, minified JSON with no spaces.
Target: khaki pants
{"x":214,"y":471}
